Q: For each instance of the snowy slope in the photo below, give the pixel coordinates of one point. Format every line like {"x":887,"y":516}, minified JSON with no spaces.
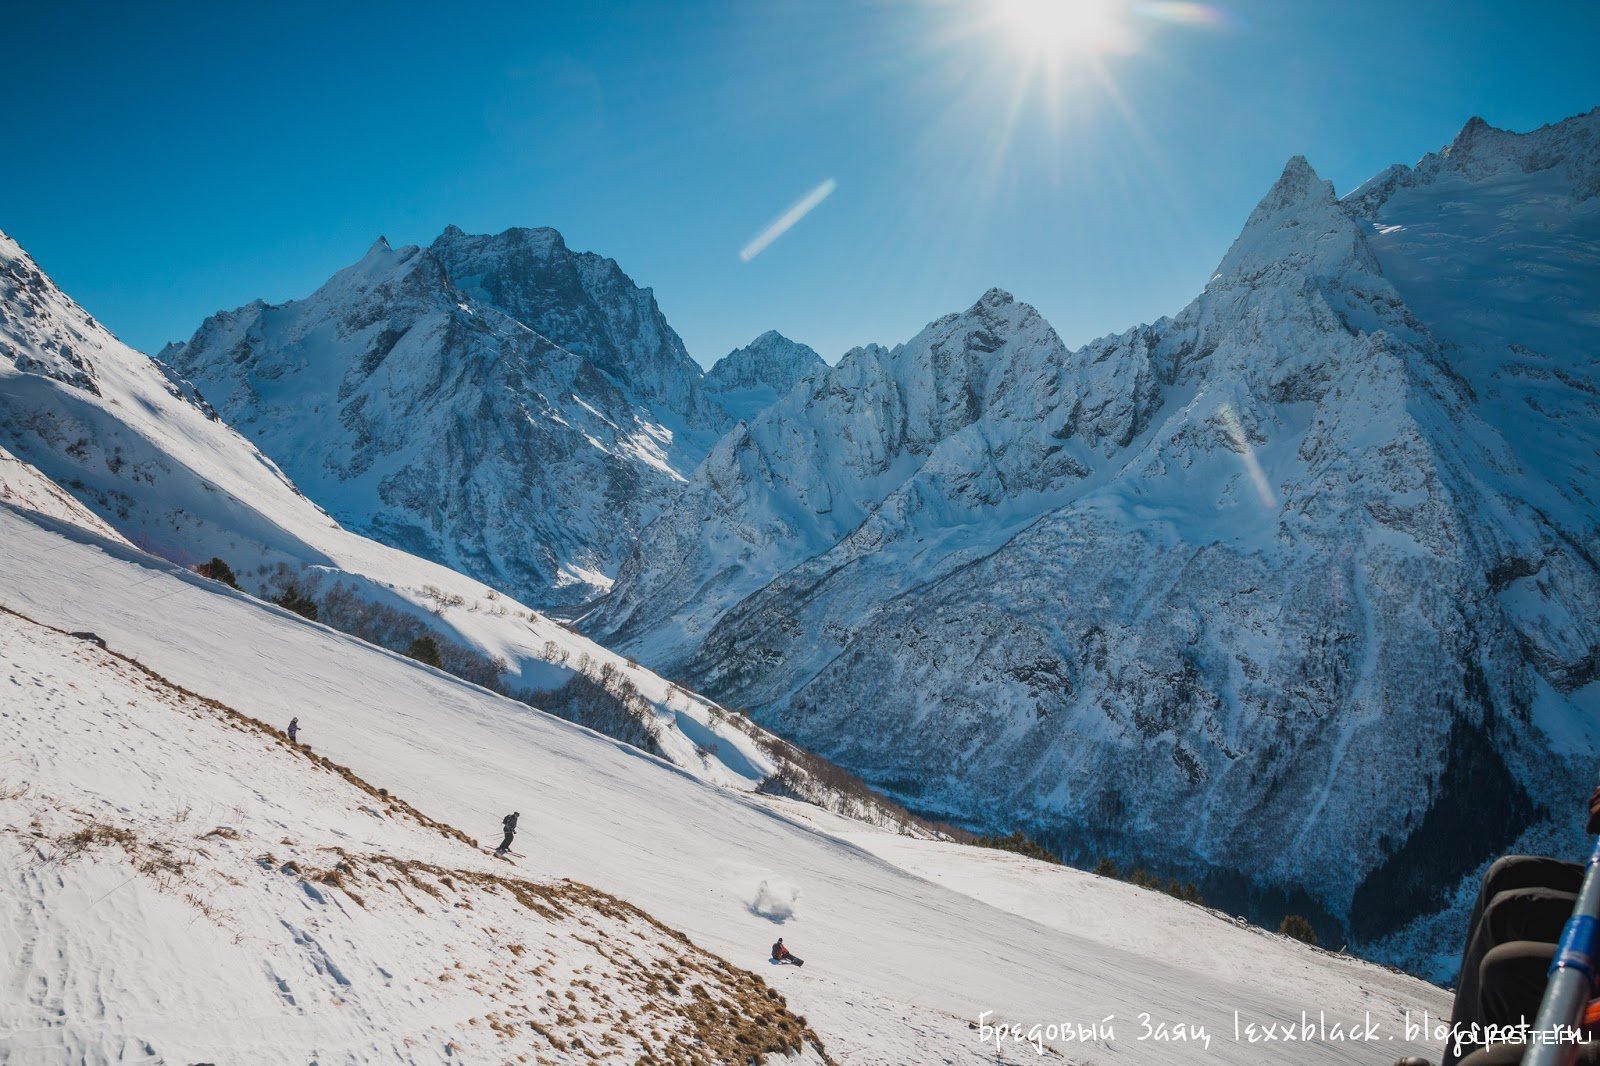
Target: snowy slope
{"x":748,"y":380}
{"x":1495,"y":243}
{"x":183,"y":885}
{"x":1288,"y":593}
{"x":23,"y":486}
{"x":83,"y":413}
{"x":501,"y":405}
{"x":898,"y":965}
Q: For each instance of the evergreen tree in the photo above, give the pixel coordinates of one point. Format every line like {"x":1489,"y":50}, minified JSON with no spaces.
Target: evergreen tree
{"x":304,"y":606}
{"x":425,"y":650}
{"x":217,"y":570}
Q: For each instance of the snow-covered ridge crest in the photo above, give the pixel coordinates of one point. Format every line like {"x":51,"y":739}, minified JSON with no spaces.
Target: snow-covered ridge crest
{"x":810,"y":468}
{"x":1570,"y":148}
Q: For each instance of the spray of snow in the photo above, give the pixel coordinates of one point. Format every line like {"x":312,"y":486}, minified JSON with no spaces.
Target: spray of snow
{"x":775,"y":901}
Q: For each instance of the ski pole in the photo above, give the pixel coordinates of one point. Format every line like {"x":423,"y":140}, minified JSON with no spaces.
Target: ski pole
{"x":1572,"y":974}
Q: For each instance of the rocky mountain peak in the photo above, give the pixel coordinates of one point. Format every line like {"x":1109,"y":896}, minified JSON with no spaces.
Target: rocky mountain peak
{"x":498,"y":403}
{"x":748,"y":380}
{"x":1568,"y":150}
{"x":995,"y":299}
{"x":587,"y":305}
{"x":770,"y":361}
{"x":1475,"y":128}
{"x":1299,"y":226}
{"x":1298,"y":189}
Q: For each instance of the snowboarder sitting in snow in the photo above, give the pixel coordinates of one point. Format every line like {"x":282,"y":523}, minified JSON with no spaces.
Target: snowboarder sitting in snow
{"x":294,"y":730}
{"x":781,"y":954}
{"x":510,"y":824}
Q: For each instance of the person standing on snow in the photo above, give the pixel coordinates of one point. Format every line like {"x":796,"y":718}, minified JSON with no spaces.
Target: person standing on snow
{"x":294,"y":730}
{"x":509,"y":822}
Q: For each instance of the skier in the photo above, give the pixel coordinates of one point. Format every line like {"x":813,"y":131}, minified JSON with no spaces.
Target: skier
{"x":510,"y":824}
{"x":294,"y":730}
{"x":781,"y":954}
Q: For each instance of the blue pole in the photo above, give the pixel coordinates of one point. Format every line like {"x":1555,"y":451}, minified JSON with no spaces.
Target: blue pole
{"x":1572,"y":976}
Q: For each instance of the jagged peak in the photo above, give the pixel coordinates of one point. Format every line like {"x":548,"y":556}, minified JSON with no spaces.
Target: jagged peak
{"x":771,"y":360}
{"x":767,"y":341}
{"x":1474,"y":129}
{"x":379,"y":246}
{"x":995,"y":308}
{"x":546,"y":239}
{"x":1291,"y":227}
{"x":1298,"y":185}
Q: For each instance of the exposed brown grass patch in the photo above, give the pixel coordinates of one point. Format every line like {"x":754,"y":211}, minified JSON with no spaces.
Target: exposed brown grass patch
{"x":692,"y":1006}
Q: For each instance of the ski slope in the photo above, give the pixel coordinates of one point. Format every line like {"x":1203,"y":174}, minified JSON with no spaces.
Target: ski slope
{"x":908,"y":944}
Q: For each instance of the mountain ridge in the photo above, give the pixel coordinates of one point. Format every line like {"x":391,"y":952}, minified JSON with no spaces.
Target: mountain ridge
{"x":1200,"y":544}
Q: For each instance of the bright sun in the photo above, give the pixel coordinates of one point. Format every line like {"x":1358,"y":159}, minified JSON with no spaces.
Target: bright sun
{"x":1087,"y":27}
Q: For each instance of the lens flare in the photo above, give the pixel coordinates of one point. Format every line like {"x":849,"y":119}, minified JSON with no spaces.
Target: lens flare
{"x":1179,"y":12}
{"x":784,"y":222}
{"x":1241,"y":444}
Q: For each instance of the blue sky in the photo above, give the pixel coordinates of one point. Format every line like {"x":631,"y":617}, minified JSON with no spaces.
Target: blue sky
{"x":166,"y":161}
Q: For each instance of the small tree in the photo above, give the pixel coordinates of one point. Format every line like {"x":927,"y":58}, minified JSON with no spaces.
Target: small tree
{"x":1106,"y":868}
{"x":304,"y":606}
{"x":1298,"y":927}
{"x":425,"y":650}
{"x":217,"y":570}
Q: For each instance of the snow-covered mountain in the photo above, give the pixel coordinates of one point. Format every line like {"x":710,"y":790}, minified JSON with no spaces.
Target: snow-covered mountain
{"x":499,"y":404}
{"x":180,"y":884}
{"x":103,"y":437}
{"x":1296,"y":591}
{"x":748,"y":380}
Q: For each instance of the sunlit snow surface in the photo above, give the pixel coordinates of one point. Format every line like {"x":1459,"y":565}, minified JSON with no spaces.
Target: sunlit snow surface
{"x":904,"y":945}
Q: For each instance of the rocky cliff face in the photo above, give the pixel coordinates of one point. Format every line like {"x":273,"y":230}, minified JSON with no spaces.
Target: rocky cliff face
{"x":1294,"y":592}
{"x":502,"y":405}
